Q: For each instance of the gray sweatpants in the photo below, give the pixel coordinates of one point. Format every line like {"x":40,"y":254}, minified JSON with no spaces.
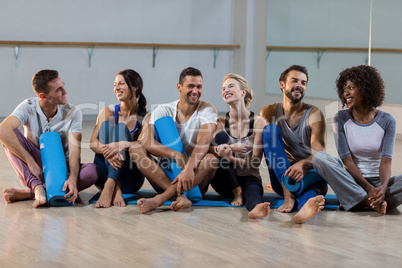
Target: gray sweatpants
{"x":349,"y":193}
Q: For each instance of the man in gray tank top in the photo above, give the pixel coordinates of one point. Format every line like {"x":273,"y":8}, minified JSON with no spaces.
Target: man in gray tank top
{"x":295,"y":131}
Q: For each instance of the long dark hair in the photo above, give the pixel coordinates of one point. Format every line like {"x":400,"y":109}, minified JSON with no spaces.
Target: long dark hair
{"x":134,"y":81}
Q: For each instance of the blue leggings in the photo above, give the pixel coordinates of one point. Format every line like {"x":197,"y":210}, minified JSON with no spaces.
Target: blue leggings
{"x":130,"y":178}
{"x":278,"y":163}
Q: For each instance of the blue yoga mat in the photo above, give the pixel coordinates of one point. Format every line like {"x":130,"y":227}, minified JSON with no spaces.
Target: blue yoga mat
{"x":54,"y":168}
{"x":212,"y":199}
{"x":310,"y":178}
{"x":166,"y":132}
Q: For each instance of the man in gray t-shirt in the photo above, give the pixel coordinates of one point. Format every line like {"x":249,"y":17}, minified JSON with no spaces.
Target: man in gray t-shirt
{"x":49,"y":111}
{"x":301,"y":129}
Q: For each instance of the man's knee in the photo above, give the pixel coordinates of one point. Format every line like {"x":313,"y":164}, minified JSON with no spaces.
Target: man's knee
{"x":209,"y":161}
{"x":137,"y":151}
{"x":91,"y":173}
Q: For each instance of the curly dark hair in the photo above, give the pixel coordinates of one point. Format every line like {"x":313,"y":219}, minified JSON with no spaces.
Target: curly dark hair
{"x":369,"y":82}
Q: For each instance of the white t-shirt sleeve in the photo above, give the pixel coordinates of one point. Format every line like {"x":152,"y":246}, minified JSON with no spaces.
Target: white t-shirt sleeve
{"x":168,"y":109}
{"x":208,"y":114}
{"x":76,"y":121}
{"x":23,"y":110}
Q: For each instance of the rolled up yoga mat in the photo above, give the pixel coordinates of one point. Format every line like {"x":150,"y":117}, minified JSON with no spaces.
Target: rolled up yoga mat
{"x":54,"y":168}
{"x":167,"y":134}
{"x":310,"y":178}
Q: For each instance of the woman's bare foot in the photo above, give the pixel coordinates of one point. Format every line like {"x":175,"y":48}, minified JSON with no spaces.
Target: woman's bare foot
{"x":118,"y":199}
{"x":269,"y":187}
{"x":310,"y":209}
{"x":105,"y":199}
{"x":181,"y":202}
{"x":381,"y":208}
{"x":260,"y":210}
{"x":149,"y":204}
{"x":12,"y":194}
{"x":40,"y":196}
{"x":238,"y":197}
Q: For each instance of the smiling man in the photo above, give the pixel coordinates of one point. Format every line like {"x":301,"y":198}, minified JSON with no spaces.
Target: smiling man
{"x":195,"y":121}
{"x":49,"y":111}
{"x":295,"y":131}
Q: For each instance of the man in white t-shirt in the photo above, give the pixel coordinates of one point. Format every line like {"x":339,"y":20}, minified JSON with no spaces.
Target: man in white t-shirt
{"x":49,"y":111}
{"x":195,"y":121}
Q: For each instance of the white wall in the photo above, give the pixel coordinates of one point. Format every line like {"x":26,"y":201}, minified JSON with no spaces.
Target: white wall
{"x":289,"y":23}
{"x":130,"y":21}
{"x":341,"y":23}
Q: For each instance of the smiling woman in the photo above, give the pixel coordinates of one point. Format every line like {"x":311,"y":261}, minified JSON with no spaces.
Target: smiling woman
{"x":238,"y":144}
{"x":116,"y":129}
{"x":365,"y":138}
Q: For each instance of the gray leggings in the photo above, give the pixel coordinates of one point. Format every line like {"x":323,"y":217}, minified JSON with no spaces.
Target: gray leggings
{"x":350,"y":193}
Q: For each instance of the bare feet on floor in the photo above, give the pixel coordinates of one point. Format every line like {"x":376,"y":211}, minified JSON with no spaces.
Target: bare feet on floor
{"x":381,"y":208}
{"x":12,"y":194}
{"x":181,"y":202}
{"x":289,"y":202}
{"x":238,"y":197}
{"x":260,"y":210}
{"x":40,"y":196}
{"x":118,"y":199}
{"x":287,"y":205}
{"x":310,"y":209}
{"x":105,"y":199}
{"x":149,"y":204}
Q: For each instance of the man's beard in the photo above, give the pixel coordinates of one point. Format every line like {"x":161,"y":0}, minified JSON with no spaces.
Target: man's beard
{"x":293,"y":98}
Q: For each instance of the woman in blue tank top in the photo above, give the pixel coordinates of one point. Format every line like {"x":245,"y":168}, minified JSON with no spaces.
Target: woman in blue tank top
{"x":117,"y":128}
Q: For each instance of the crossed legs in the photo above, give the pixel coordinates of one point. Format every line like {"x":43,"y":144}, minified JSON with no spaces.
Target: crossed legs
{"x":154,"y":173}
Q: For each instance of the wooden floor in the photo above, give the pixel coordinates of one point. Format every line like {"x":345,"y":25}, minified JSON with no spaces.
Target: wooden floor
{"x":82,"y":236}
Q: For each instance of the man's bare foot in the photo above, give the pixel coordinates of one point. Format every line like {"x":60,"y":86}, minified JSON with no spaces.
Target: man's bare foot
{"x":287,"y":205}
{"x":289,"y":202}
{"x":105,"y":199}
{"x":149,"y":204}
{"x":12,"y":194}
{"x":181,"y":202}
{"x":310,"y":209}
{"x":118,"y":199}
{"x":238,"y":197}
{"x":40,"y":196}
{"x":260,"y":210}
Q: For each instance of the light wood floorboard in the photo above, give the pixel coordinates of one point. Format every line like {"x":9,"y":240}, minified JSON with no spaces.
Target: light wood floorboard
{"x":82,"y":236}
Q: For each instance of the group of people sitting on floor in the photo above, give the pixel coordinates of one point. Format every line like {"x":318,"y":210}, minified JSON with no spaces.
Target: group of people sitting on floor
{"x":182,"y":147}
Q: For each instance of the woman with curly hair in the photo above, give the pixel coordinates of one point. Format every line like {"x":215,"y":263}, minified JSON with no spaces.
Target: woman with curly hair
{"x":365,"y":138}
{"x":116,"y":129}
